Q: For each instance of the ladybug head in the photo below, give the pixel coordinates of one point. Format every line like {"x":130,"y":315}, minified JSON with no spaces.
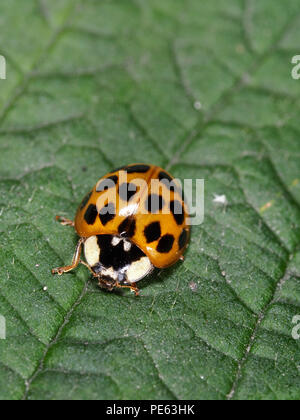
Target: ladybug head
{"x":115,"y":259}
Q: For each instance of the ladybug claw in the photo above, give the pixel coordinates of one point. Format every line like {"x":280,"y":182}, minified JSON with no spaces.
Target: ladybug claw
{"x":64,"y":221}
{"x":57,"y":271}
{"x":75,"y":261}
{"x":135,"y":290}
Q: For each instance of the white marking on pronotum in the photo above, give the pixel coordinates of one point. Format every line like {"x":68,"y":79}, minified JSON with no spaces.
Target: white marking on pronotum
{"x":2,"y":67}
{"x":115,"y":241}
{"x":91,"y":251}
{"x":127,"y":246}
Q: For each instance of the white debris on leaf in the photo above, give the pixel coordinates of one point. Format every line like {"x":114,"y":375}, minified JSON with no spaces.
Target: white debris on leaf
{"x":220,"y":199}
{"x":193,"y":286}
{"x":197,"y":105}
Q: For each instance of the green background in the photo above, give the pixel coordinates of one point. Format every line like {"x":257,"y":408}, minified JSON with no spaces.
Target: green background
{"x":204,"y":89}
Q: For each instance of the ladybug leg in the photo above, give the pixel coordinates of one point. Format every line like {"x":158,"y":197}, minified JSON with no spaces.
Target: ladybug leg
{"x":75,"y":260}
{"x":135,"y":289}
{"x":132,"y":287}
{"x":64,"y":221}
{"x":87,"y":266}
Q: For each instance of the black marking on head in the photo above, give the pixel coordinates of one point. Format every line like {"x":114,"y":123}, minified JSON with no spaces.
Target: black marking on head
{"x":154,"y":203}
{"x":116,"y":256}
{"x":90,"y":214}
{"x":183,"y":238}
{"x":165,"y":244}
{"x":152,"y":232}
{"x":127,"y":191}
{"x":107,"y":183}
{"x":85,"y":200}
{"x":107,"y":213}
{"x":106,"y":282}
{"x":178,"y":211}
{"x":127,"y":227}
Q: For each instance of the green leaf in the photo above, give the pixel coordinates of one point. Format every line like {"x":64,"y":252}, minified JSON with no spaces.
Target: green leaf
{"x":203,"y":89}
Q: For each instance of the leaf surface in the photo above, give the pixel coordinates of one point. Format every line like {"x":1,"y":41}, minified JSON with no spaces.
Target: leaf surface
{"x":203,"y":89}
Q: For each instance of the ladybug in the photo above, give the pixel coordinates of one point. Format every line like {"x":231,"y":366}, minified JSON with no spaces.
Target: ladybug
{"x":134,"y":219}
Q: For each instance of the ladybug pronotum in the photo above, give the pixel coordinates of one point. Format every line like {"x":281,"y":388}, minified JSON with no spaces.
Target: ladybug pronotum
{"x":133,"y":220}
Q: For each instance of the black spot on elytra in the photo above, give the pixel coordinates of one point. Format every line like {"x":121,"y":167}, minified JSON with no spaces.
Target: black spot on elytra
{"x":107,"y":213}
{"x":90,"y":214}
{"x":169,"y":182}
{"x":183,"y":239}
{"x":140,"y":169}
{"x":163,"y":175}
{"x":127,"y":227}
{"x":152,"y":232}
{"x":131,"y":169}
{"x":165,"y":244}
{"x":118,"y":169}
{"x":154,"y":203}
{"x":107,"y":183}
{"x":178,"y":212}
{"x":85,"y":200}
{"x":127,"y":191}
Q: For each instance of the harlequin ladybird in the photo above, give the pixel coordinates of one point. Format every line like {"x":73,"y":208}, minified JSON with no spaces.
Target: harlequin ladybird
{"x":133,"y":220}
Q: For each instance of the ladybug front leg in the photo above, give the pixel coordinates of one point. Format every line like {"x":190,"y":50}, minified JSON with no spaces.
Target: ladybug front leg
{"x":133,"y":287}
{"x":64,"y":221}
{"x":75,"y":261}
